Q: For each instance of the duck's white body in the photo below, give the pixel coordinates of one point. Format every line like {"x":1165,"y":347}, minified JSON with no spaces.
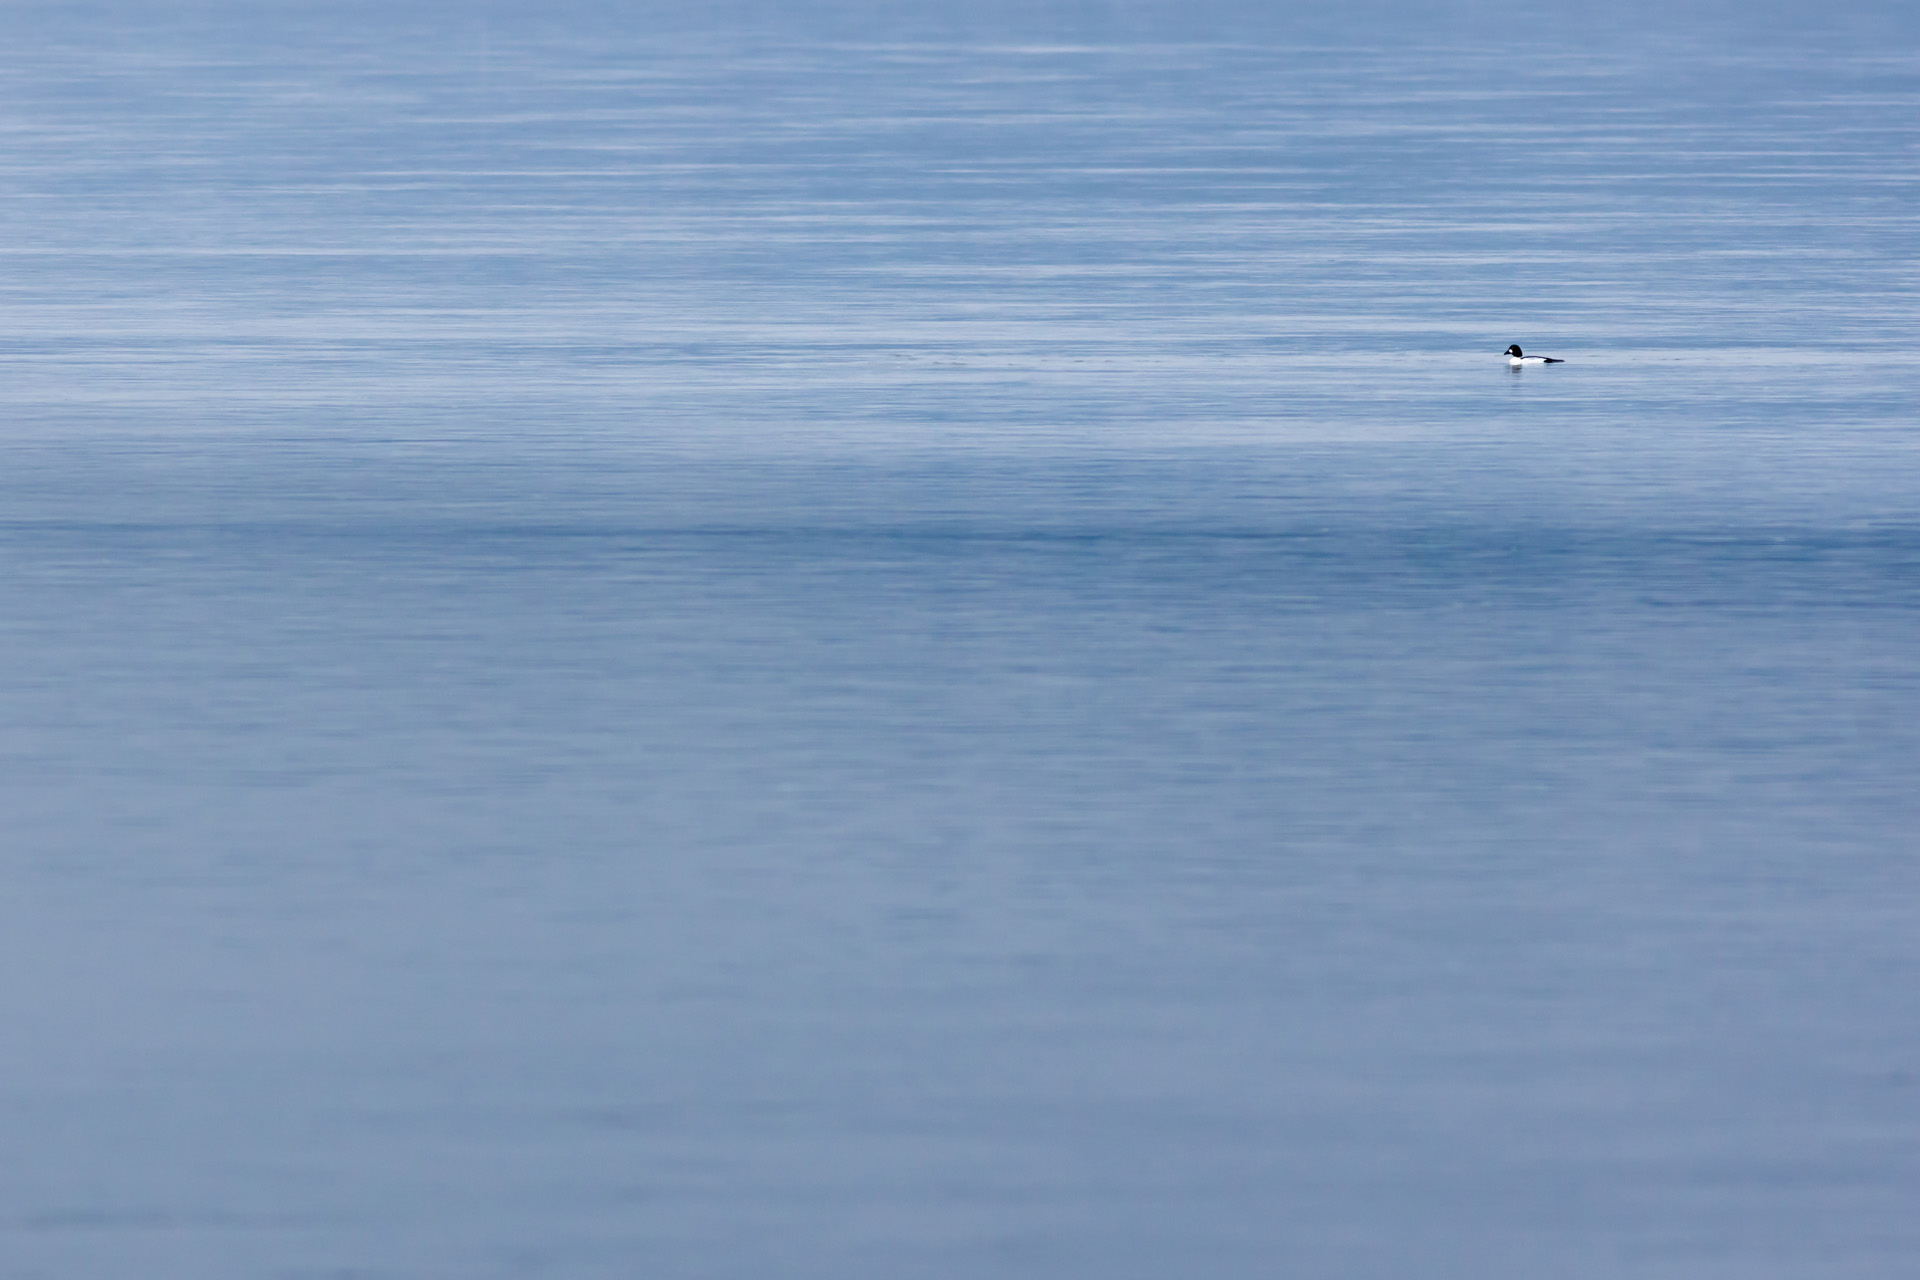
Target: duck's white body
{"x":1516,"y":358}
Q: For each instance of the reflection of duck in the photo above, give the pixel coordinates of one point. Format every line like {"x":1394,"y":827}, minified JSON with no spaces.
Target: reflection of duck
{"x":1514,"y":357}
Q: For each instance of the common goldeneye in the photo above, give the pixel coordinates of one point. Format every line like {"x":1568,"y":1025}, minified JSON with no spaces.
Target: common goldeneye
{"x":1515,"y":357}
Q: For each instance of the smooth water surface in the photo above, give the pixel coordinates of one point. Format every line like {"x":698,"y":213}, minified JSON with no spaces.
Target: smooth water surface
{"x":866,"y":642}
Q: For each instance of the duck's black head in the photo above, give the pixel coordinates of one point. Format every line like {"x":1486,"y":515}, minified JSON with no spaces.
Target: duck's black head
{"x":1514,"y":350}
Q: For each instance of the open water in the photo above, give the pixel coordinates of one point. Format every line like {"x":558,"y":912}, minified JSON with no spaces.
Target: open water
{"x":858,"y":641}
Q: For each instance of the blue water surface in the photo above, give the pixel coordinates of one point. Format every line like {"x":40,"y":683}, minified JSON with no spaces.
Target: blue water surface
{"x":850,"y":641}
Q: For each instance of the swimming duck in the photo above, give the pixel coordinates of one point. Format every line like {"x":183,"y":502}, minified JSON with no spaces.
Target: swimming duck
{"x":1514,"y":356}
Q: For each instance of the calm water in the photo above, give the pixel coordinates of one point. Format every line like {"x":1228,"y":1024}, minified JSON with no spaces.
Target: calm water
{"x":856,"y":642}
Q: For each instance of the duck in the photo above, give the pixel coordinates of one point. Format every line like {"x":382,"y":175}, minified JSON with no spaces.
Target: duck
{"x":1516,"y":357}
